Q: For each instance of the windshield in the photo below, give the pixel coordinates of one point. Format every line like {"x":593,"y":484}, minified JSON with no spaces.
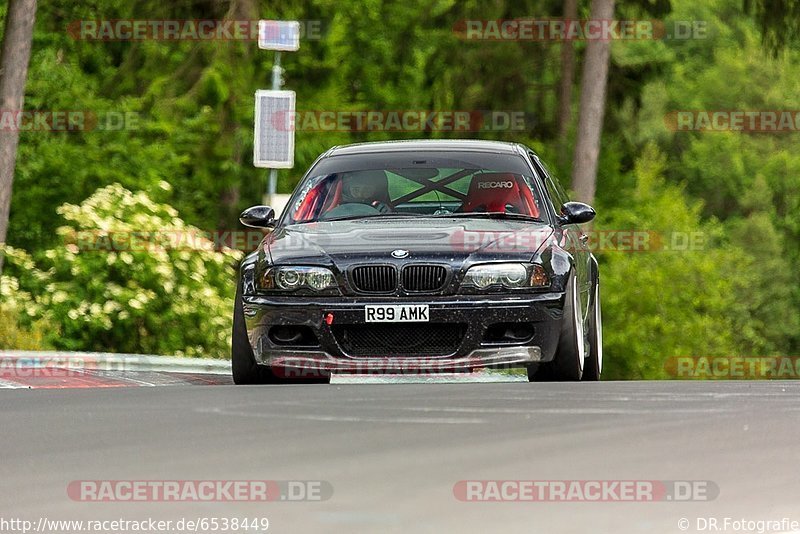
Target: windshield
{"x":420,"y":192}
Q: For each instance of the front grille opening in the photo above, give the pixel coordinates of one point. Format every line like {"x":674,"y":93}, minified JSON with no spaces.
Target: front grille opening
{"x":374,"y":278}
{"x":508,"y":333}
{"x":398,"y":340}
{"x":424,"y":277}
{"x":293,"y":336}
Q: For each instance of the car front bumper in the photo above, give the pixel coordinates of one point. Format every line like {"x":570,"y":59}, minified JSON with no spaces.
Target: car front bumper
{"x":542,"y":313}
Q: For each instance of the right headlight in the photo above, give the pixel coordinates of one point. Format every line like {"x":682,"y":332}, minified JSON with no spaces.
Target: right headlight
{"x":317,"y":279}
{"x":506,"y":275}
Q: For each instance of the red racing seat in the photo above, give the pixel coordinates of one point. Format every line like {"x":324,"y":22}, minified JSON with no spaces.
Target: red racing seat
{"x":499,"y":192}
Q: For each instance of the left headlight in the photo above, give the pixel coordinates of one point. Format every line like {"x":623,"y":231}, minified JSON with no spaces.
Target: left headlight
{"x":506,"y":275}
{"x":294,"y":278}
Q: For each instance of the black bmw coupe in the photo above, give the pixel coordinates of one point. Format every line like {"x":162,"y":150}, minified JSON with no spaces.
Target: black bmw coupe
{"x":420,"y":257}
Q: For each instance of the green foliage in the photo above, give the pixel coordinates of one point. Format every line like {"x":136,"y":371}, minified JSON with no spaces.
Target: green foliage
{"x":673,"y":300}
{"x":129,"y":275}
{"x":749,"y":181}
{"x":779,"y":21}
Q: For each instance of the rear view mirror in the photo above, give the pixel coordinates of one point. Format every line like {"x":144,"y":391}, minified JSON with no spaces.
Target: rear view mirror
{"x":258,"y":217}
{"x":576,"y":213}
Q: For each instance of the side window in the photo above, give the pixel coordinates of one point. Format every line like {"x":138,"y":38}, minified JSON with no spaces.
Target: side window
{"x":560,"y":195}
{"x":554,"y":190}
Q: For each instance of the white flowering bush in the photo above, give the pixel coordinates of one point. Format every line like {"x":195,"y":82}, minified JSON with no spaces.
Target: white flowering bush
{"x":128,"y":276}
{"x":19,"y":328}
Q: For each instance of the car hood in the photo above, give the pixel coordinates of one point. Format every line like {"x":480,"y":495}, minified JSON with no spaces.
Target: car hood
{"x":454,"y":241}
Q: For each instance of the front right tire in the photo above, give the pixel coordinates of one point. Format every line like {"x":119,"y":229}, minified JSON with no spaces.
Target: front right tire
{"x":567,"y":364}
{"x":243,"y":361}
{"x":593,"y":365}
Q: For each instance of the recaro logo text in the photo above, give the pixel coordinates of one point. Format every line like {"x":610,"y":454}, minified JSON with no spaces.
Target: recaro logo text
{"x":495,"y":185}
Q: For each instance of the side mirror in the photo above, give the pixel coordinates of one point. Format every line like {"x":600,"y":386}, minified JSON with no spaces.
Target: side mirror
{"x":258,"y":217}
{"x":576,"y":213}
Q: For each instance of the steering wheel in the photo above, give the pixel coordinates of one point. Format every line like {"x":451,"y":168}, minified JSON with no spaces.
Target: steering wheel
{"x":382,"y":207}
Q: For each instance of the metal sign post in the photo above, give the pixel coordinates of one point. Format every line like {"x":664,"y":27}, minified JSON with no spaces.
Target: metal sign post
{"x":277,"y":83}
{"x":274,"y":133}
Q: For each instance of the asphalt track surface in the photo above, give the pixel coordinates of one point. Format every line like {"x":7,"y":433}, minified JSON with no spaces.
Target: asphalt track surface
{"x":393,"y":453}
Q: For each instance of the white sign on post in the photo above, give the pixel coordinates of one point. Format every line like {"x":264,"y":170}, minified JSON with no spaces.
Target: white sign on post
{"x":282,"y":35}
{"x":274,"y":130}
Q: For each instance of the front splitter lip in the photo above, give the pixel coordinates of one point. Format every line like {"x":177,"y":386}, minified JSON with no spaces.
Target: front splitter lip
{"x":503,"y":357}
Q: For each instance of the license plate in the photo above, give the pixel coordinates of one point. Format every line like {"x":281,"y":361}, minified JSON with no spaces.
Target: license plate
{"x":396,"y":313}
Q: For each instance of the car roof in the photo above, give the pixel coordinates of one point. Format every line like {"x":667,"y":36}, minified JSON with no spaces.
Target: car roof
{"x":473,"y":145}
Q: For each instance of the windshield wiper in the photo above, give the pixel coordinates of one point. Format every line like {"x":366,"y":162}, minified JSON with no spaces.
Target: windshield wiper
{"x":489,"y":215}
